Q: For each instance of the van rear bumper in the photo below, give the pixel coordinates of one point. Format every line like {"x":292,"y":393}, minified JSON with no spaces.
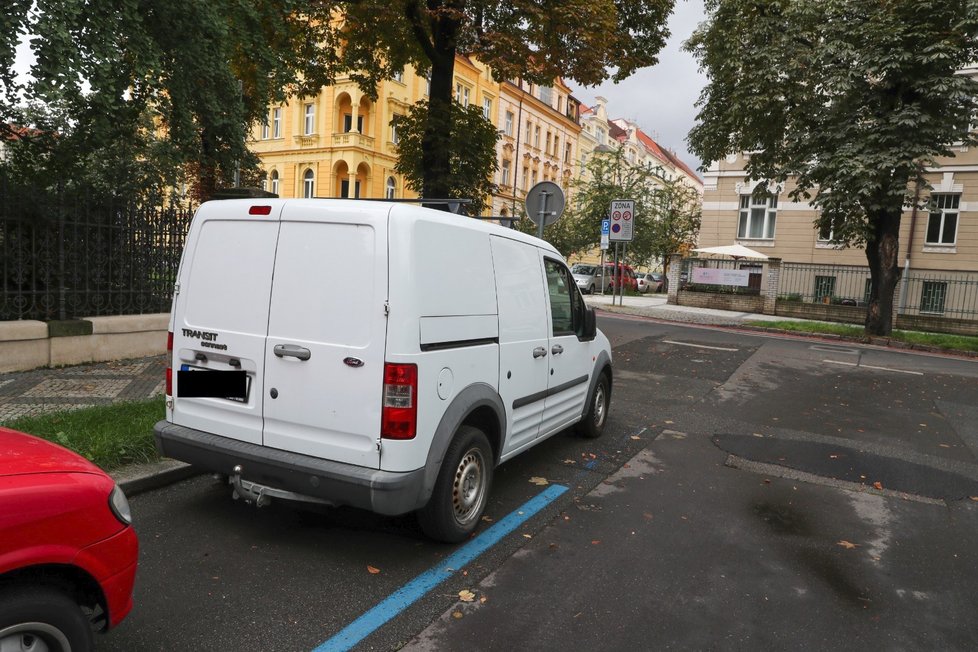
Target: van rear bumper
{"x":379,"y":491}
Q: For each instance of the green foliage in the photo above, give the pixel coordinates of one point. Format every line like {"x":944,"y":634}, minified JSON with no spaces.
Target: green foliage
{"x":472,"y":144}
{"x":109,"y":435}
{"x":852,"y":99}
{"x":123,"y":91}
{"x":667,"y":214}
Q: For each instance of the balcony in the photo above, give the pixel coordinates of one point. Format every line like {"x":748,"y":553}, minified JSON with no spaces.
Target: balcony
{"x":353,"y":139}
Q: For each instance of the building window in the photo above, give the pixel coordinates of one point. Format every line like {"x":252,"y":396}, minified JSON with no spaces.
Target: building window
{"x":508,"y":124}
{"x":265,"y":130}
{"x":273,"y":182}
{"x":602,"y":137}
{"x":546,"y":95}
{"x":487,"y":108}
{"x":391,"y":188}
{"x":526,"y":178}
{"x":824,"y":287}
{"x":567,"y":154}
{"x":549,"y":141}
{"x":277,"y":123}
{"x":462,"y":95}
{"x":504,"y":175}
{"x":556,"y":146}
{"x":529,"y":132}
{"x":308,"y":184}
{"x":534,"y":178}
{"x":758,"y":213}
{"x":942,"y":227}
{"x":395,"y":138}
{"x":309,"y":123}
{"x":932,"y":297}
{"x":427,"y":84}
{"x":825,"y":233}
{"x":536,"y":137}
{"x":399,"y":76}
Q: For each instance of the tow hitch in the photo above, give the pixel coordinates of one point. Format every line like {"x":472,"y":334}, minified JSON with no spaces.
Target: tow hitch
{"x":261,"y":495}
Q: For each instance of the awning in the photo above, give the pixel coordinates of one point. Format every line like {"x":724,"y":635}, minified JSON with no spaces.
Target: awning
{"x":734,"y":251}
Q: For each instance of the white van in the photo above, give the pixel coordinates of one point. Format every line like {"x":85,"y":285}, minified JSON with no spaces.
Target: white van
{"x":379,"y":355}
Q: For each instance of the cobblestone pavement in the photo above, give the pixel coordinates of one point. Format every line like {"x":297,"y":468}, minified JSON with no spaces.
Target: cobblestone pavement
{"x":28,"y":393}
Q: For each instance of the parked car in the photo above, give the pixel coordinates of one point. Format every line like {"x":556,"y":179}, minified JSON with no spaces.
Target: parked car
{"x":402,"y":387}
{"x":649,"y":282}
{"x":588,"y":277}
{"x":625,"y":274}
{"x":67,"y":547}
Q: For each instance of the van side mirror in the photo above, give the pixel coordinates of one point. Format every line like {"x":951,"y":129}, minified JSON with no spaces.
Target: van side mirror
{"x":590,"y":327}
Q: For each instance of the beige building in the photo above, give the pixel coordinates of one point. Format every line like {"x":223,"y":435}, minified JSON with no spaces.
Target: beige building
{"x":539,"y":128}
{"x":938,"y":246}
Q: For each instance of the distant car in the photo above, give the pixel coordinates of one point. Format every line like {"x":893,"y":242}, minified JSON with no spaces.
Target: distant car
{"x":649,"y":282}
{"x":67,"y":547}
{"x":587,"y":277}
{"x":625,"y":274}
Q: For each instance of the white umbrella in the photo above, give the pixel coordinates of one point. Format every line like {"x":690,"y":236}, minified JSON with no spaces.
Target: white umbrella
{"x":735,"y":251}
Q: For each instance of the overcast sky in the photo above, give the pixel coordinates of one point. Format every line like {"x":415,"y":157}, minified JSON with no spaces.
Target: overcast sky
{"x":660,"y":99}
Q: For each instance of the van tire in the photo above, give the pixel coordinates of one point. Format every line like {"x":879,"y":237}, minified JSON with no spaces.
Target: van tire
{"x":592,"y":425}
{"x":461,"y":490}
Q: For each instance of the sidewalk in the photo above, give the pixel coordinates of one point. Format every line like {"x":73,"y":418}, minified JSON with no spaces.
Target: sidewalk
{"x":654,"y":305}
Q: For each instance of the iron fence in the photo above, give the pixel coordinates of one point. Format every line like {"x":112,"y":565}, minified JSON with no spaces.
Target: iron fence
{"x":66,"y":256}
{"x":939,"y":294}
{"x":836,"y":284}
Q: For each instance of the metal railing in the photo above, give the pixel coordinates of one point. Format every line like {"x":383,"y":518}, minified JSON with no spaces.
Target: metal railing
{"x":64,"y":256}
{"x":836,"y":284}
{"x":940,"y":294}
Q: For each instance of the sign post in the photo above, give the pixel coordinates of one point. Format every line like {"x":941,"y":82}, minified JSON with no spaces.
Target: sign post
{"x":544,"y":204}
{"x":622,"y":230}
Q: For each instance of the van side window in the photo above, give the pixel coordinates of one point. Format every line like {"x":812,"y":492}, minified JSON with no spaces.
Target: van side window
{"x":566,"y":304}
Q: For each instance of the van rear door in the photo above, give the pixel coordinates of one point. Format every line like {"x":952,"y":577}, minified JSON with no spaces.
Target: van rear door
{"x":327,"y":328}
{"x":221,"y":312}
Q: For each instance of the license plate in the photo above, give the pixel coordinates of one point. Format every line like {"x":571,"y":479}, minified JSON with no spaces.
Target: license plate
{"x":231,"y":385}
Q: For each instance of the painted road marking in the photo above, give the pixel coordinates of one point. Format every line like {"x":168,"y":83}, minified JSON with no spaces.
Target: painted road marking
{"x":699,"y":346}
{"x":414,"y":590}
{"x":869,"y":366}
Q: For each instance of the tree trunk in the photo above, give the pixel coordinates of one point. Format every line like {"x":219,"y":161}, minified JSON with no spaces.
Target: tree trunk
{"x":436,"y":142}
{"x":882,"y":252}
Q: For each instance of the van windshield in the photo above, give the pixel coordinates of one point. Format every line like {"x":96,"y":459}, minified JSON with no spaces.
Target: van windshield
{"x":582,"y":269}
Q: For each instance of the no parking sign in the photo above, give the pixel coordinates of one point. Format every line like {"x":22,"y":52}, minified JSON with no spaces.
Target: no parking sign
{"x":622,"y":220}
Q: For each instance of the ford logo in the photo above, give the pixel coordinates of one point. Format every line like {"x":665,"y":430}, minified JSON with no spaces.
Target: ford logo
{"x":353,"y":362}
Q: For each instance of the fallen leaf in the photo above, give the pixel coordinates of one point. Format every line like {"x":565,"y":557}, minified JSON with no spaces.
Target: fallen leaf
{"x":372,"y":570}
{"x":487,"y":519}
{"x":668,"y":422}
{"x":466,"y":596}
{"x":974,"y":498}
{"x":527,"y":536}
{"x":847,"y":544}
{"x":483,"y":599}
{"x":878,"y":486}
{"x":833,"y":457}
{"x":944,"y":445}
{"x":541,"y":482}
{"x":457,"y":615}
{"x":570,"y":461}
{"x":636,"y":437}
{"x":595,"y":542}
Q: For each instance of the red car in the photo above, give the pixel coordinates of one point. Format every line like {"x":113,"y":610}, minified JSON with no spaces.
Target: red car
{"x":67,"y":547}
{"x":625,"y":274}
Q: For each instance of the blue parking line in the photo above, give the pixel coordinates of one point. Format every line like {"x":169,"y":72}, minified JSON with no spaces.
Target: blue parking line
{"x":414,"y":590}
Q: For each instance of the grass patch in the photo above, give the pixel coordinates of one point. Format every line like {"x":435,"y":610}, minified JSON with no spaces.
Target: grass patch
{"x":939,"y":340}
{"x":109,"y":435}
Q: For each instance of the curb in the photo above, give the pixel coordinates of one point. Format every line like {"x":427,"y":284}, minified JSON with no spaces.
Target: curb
{"x":139,"y":478}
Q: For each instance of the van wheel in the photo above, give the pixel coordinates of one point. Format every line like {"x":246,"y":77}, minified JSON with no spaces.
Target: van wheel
{"x":461,"y":490}
{"x":40,"y":618}
{"x":592,"y":425}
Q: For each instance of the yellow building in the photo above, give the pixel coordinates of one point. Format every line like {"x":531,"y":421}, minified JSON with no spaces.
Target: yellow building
{"x":340,"y":143}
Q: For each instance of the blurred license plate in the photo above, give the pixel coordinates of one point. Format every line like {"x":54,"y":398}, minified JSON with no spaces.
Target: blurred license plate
{"x":197,"y":382}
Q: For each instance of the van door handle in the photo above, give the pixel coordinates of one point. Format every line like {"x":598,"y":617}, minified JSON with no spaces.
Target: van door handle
{"x":539,"y":352}
{"x":557,"y":350}
{"x":291,"y":351}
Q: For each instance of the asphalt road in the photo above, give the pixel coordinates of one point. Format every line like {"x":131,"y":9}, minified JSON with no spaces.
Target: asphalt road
{"x":729,"y":505}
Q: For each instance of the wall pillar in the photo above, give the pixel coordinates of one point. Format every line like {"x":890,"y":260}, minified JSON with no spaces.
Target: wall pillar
{"x":773,"y":285}
{"x":672,"y":275}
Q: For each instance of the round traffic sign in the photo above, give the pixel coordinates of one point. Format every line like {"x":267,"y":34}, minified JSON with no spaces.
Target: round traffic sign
{"x":616,"y":215}
{"x":616,"y":227}
{"x":627,"y":215}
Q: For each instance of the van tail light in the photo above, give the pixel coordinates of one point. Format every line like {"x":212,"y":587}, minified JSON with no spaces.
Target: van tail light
{"x":399,"y":419}
{"x":169,"y":363}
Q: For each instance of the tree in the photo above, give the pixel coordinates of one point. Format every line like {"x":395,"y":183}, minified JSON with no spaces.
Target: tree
{"x":472,"y":144}
{"x":173,"y":82}
{"x":852,"y":100}
{"x":538,"y":41}
{"x":675,"y":224}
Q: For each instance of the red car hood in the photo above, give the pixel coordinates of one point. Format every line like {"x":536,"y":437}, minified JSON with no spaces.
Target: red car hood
{"x":20,"y":453}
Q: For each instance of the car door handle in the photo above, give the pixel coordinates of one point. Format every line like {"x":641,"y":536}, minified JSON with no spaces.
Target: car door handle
{"x":539,"y":352}
{"x":292,"y":351}
{"x":557,"y":350}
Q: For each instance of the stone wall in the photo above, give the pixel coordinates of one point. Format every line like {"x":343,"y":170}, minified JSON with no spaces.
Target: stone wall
{"x":721,"y":301}
{"x":821,"y":312}
{"x":30,"y":344}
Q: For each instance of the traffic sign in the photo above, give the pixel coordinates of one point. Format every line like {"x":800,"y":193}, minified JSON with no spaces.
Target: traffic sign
{"x":605,"y":227}
{"x":622,"y":220}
